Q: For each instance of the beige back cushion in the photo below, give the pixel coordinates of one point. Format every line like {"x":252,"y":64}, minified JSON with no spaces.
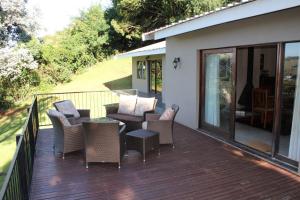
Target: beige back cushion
{"x":60,"y":116}
{"x":127,"y":104}
{"x":168,"y":114}
{"x":144,"y":104}
{"x":67,"y":108}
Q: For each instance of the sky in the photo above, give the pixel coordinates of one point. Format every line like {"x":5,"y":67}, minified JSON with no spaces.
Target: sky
{"x":55,"y":15}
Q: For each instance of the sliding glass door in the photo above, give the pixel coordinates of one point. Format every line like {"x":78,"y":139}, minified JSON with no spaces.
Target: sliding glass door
{"x":218,"y":73}
{"x":289,"y":134}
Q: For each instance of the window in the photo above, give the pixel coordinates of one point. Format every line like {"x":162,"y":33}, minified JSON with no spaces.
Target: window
{"x":141,"y":69}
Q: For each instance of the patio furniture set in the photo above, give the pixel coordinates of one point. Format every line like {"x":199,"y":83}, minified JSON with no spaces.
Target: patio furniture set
{"x":132,"y":124}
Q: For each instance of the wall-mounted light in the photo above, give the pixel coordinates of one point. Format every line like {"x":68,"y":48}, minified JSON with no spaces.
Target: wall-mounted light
{"x":176,"y":62}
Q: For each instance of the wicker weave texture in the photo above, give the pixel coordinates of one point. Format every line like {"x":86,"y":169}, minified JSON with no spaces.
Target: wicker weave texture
{"x":164,"y":127}
{"x":66,"y":138}
{"x":103,"y":142}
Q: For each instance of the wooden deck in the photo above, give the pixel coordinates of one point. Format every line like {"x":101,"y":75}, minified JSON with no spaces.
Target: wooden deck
{"x":198,"y":168}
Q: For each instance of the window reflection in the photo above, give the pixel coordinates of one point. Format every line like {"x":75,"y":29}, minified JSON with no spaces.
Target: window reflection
{"x":290,"y":118}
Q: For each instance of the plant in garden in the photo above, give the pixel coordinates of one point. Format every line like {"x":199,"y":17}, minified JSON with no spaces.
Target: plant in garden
{"x":14,"y":61}
{"x":17,"y":23}
{"x":16,"y":73}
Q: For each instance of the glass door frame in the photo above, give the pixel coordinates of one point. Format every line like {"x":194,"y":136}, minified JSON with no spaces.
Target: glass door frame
{"x":228,"y":135}
{"x":274,"y":156}
{"x":278,"y":104}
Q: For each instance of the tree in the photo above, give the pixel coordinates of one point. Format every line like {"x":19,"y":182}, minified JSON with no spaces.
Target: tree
{"x":196,"y":7}
{"x":16,"y":23}
{"x":16,"y":63}
{"x":130,"y":18}
{"x":16,"y":73}
{"x":80,"y":45}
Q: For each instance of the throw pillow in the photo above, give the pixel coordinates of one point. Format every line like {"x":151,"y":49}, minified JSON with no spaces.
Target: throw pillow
{"x":144,"y":125}
{"x":143,"y":105}
{"x":168,"y":114}
{"x":127,"y":104}
{"x":67,"y":108}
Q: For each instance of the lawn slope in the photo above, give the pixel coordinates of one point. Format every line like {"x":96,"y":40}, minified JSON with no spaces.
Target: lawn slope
{"x":111,"y":74}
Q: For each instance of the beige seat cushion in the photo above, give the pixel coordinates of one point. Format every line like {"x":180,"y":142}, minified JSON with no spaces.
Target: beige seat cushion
{"x":144,"y":125}
{"x":127,"y":104}
{"x":67,"y":108}
{"x":60,"y":116}
{"x":74,"y":121}
{"x":168,"y":114}
{"x":125,"y":117}
{"x":143,"y":105}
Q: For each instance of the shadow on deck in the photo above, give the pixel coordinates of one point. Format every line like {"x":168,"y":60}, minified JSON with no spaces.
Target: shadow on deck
{"x":198,"y":168}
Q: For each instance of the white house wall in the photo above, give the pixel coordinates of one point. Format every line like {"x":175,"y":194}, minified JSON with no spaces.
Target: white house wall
{"x":143,"y":84}
{"x":181,"y":86}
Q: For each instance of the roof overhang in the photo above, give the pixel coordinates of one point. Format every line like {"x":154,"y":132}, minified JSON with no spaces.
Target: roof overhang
{"x":153,"y":49}
{"x":232,"y":12}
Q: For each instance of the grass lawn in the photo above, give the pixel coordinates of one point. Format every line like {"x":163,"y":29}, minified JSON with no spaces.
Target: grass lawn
{"x":107,"y":75}
{"x":112,"y":74}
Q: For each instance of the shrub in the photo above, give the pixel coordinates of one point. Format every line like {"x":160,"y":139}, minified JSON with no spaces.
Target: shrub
{"x":54,"y":74}
{"x":17,"y":73}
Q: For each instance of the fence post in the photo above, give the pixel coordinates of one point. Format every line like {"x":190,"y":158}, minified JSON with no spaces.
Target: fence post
{"x":21,"y":164}
{"x":18,"y":136}
{"x":36,"y":115}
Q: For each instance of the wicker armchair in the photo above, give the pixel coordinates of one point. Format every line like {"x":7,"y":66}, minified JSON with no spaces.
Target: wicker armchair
{"x":163,"y":127}
{"x":75,"y":116}
{"x":67,"y":138}
{"x":104,"y":142}
{"x":132,"y":122}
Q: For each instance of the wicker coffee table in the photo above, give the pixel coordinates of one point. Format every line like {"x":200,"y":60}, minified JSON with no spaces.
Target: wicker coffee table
{"x":142,"y":141}
{"x":105,"y":120}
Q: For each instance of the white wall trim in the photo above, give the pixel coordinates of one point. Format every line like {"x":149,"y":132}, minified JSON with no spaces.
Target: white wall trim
{"x":142,"y":53}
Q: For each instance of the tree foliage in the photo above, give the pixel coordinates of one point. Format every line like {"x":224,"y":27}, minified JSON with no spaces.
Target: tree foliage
{"x":14,"y":61}
{"x":130,"y":18}
{"x":90,"y":37}
{"x":16,"y":22}
{"x":78,"y":46}
{"x":17,"y":65}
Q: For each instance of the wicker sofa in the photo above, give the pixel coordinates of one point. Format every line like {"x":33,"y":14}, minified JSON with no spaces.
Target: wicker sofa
{"x":132,"y":121}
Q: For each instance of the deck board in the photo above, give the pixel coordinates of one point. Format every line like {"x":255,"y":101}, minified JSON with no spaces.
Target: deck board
{"x":198,"y":168}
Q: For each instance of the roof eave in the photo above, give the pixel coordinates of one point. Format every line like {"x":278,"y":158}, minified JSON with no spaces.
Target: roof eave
{"x":148,"y":36}
{"x":142,"y":53}
{"x":243,"y":11}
